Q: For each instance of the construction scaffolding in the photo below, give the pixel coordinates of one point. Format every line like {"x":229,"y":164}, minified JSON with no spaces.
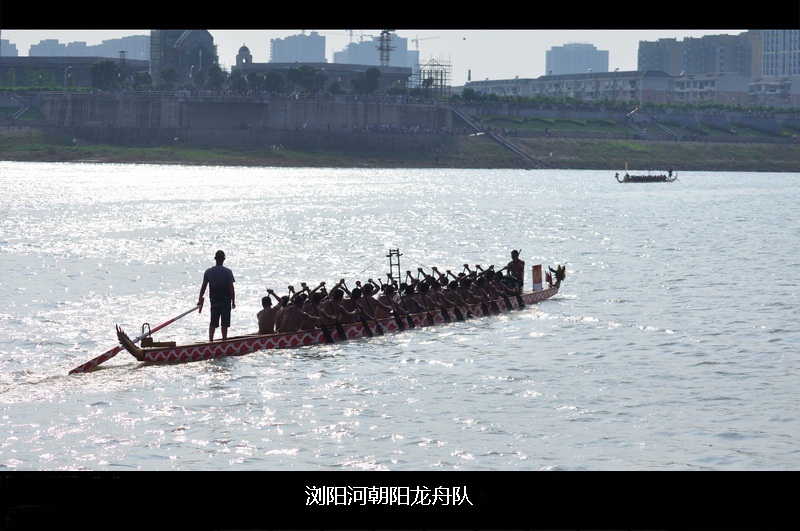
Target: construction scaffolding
{"x":435,"y":75}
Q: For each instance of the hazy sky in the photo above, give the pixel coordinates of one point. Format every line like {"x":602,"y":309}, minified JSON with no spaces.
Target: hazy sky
{"x":481,"y":54}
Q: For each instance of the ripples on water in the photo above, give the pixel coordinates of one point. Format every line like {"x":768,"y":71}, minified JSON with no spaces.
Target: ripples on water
{"x":670,"y":347}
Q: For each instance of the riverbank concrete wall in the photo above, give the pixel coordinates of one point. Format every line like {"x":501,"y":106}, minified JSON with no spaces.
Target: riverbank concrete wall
{"x":239,"y":122}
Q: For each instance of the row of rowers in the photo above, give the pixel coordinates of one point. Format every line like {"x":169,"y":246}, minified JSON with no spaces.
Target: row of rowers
{"x":307,"y":308}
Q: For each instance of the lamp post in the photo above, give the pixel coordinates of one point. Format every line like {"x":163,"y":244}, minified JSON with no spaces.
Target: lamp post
{"x":66,"y":75}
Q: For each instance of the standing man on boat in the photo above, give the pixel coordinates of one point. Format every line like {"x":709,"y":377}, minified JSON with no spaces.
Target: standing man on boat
{"x":516,"y":270}
{"x":219,"y":280}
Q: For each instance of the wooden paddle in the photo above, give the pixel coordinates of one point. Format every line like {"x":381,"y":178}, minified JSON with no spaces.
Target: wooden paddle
{"x":409,"y":319}
{"x":430,"y":280}
{"x":520,"y":302}
{"x":429,"y":283}
{"x":431,"y":320}
{"x":509,"y":307}
{"x":91,"y":364}
{"x":371,"y":311}
{"x":474,"y":278}
{"x":400,"y":325}
{"x":440,"y":295}
{"x":492,"y":302}
{"x":325,"y":331}
{"x":463,"y":295}
{"x":360,"y":311}
{"x":336,"y":322}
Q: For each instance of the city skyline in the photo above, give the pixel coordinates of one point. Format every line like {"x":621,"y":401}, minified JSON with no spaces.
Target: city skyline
{"x":473,"y":54}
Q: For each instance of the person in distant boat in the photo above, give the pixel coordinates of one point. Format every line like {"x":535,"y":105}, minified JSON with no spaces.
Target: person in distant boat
{"x":219,"y":281}
{"x":516,"y":270}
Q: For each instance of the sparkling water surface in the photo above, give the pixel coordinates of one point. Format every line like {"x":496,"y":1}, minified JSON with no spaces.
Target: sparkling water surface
{"x":672,"y":344}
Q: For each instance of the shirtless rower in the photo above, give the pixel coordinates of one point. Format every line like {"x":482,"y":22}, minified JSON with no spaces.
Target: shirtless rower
{"x":266,"y":317}
{"x":293,"y":317}
{"x":373,"y":306}
{"x":516,"y":270}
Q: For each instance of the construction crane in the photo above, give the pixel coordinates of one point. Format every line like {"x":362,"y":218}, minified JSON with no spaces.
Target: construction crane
{"x":385,"y":47}
{"x":416,"y":41}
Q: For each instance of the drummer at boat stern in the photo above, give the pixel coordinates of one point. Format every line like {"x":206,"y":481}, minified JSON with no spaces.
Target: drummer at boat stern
{"x":219,"y":280}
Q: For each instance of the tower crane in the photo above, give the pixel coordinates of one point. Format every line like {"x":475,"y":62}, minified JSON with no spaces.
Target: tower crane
{"x":416,"y":41}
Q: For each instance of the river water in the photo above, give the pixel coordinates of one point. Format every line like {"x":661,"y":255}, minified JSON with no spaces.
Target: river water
{"x":672,"y":345}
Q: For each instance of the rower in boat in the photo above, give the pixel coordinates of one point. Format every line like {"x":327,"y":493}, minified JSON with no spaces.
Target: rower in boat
{"x":294,"y":318}
{"x":266,"y":317}
{"x":390,"y":298}
{"x":336,"y":301}
{"x":374,"y":307}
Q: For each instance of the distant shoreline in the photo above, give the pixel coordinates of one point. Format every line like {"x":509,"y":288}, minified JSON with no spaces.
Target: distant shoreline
{"x":476,"y":152}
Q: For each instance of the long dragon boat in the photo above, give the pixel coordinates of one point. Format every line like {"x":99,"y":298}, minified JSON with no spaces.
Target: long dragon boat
{"x":649,"y":178}
{"x":170,"y":352}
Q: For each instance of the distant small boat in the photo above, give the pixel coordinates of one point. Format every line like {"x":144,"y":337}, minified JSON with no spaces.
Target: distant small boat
{"x":649,"y":178}
{"x":661,"y":178}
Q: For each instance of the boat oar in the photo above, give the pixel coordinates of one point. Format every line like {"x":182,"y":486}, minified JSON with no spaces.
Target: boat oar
{"x":492,"y":302}
{"x":89,"y":365}
{"x":336,"y":322}
{"x":440,"y":295}
{"x":364,"y":294}
{"x":409,"y":319}
{"x":490,"y":278}
{"x":442,"y":309}
{"x":399,"y":320}
{"x":423,"y":293}
{"x":520,"y":302}
{"x":422,"y":296}
{"x":360,"y":311}
{"x":474,"y":279}
{"x":325,"y":331}
{"x":463,"y":295}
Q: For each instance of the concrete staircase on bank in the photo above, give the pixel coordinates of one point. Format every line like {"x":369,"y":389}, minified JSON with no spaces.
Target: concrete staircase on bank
{"x":536,"y":163}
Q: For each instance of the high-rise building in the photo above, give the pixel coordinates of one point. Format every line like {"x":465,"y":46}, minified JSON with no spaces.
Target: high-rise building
{"x":135,"y":47}
{"x":8,"y":49}
{"x":575,"y":58}
{"x":368,"y":52}
{"x":298,"y":49}
{"x":781,"y":52}
{"x":710,"y":54}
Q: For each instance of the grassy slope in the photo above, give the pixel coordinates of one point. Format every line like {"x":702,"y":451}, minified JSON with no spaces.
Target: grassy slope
{"x":454,"y":152}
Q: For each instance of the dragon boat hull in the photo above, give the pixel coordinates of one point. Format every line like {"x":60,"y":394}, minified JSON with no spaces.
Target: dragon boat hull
{"x":241,"y":345}
{"x":661,"y":178}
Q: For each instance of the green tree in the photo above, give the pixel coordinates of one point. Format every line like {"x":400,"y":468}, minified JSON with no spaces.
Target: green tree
{"x":237,"y":82}
{"x":359,"y":84}
{"x":274,"y":82}
{"x":198,"y":79}
{"x":142,"y":80}
{"x":336,"y":87}
{"x":216,"y":77}
{"x":371,"y":80}
{"x":469,"y":94}
{"x":106,"y":75}
{"x":169,"y":77}
{"x":255,"y":81}
{"x":306,"y":79}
